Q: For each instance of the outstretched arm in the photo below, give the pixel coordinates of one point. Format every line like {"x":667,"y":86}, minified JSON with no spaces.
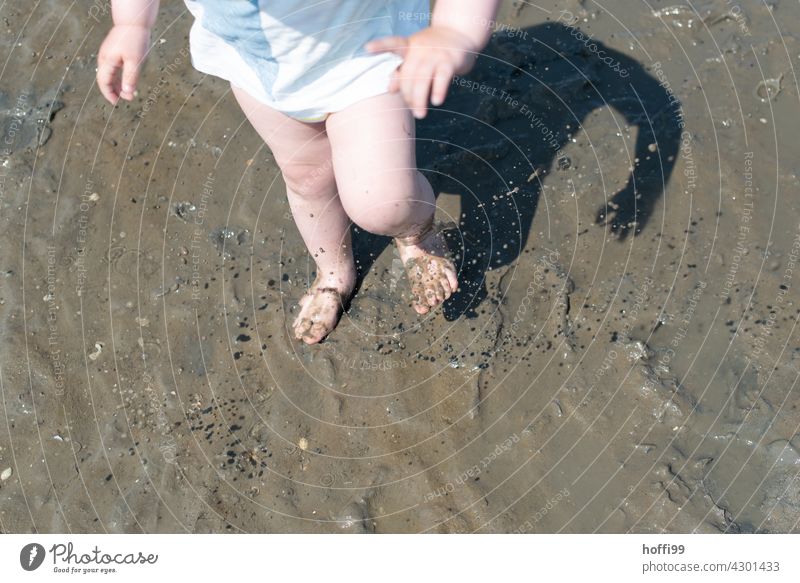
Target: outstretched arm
{"x":460,"y":29}
{"x":658,"y":116}
{"x":125,"y":47}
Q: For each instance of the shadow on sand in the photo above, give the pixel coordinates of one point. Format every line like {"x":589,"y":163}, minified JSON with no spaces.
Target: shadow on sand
{"x":509,"y":120}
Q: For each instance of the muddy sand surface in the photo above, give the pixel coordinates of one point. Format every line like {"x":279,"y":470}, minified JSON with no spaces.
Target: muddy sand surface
{"x":636,"y":375}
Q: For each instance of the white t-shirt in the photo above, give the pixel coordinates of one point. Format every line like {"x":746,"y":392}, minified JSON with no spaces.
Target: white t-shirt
{"x":305,"y":58}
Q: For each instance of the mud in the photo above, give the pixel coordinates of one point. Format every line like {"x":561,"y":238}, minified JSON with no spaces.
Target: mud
{"x":617,"y":183}
{"x":431,"y":275}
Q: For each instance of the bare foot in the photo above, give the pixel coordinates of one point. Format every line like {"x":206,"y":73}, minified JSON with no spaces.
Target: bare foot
{"x":321,"y":307}
{"x":430,"y":271}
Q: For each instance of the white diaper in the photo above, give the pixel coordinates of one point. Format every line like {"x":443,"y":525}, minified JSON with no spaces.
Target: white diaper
{"x":305,"y":58}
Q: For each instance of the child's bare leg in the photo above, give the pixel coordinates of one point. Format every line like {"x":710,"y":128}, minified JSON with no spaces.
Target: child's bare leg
{"x":382,"y":191}
{"x":303,"y":153}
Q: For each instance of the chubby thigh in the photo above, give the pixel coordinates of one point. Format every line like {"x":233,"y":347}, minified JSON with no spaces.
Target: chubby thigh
{"x":374,"y":161}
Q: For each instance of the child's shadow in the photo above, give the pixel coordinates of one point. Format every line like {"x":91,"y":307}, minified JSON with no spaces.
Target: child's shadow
{"x":509,"y":119}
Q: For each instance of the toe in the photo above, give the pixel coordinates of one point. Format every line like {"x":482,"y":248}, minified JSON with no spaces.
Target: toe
{"x":310,"y":337}
{"x":438,"y":290}
{"x":452,"y":279}
{"x":419,"y":304}
{"x":311,"y":334}
{"x":301,"y":330}
{"x":317,"y":333}
{"x":445,"y":283}
{"x":430,"y":295}
{"x":300,"y":315}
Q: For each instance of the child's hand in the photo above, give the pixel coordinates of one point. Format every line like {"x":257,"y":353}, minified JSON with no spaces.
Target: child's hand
{"x":123,"y":50}
{"x":431,"y":58}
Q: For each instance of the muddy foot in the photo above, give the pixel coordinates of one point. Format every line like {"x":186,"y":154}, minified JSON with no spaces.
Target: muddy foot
{"x":320,"y":310}
{"x":430,"y":271}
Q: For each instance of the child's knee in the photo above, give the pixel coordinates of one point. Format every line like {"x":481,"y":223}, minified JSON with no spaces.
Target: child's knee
{"x":388,"y":206}
{"x":309,"y":180}
{"x":389,"y":218}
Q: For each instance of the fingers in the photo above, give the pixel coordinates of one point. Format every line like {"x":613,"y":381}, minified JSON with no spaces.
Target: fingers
{"x":422,"y":81}
{"x":390,"y":44}
{"x":130,"y":77}
{"x":420,"y":88}
{"x":422,"y":78}
{"x":107,"y":79}
{"x":441,"y":83}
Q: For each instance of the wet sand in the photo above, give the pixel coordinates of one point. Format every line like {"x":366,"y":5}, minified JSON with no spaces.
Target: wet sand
{"x":636,"y":375}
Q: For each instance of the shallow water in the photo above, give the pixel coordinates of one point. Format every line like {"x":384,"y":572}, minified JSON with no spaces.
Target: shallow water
{"x":636,"y":376}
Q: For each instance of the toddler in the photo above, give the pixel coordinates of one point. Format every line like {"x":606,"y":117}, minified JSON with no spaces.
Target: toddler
{"x":333,"y":87}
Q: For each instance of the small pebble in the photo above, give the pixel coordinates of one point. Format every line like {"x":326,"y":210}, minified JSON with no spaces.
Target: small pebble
{"x":98,"y":349}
